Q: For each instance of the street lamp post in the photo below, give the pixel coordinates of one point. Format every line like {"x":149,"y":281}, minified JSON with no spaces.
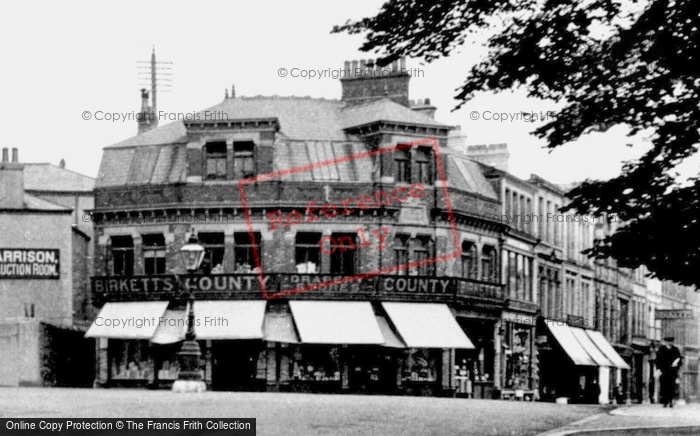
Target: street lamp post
{"x":190,"y":376}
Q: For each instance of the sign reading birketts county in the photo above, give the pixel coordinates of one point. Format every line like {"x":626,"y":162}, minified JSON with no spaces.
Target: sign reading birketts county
{"x":29,"y":263}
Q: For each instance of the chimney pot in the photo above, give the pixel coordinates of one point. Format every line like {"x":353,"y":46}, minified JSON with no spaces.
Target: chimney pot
{"x":363,"y":65}
{"x":427,"y":101}
{"x":5,"y":155}
{"x":403,"y":63}
{"x":354,"y":68}
{"x":62,"y":163}
{"x":15,"y":155}
{"x":346,"y":65}
{"x":233,"y":91}
{"x":395,"y":66}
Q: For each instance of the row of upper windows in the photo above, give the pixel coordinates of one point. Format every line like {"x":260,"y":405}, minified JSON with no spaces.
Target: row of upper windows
{"x":216,"y":161}
{"x":311,"y":250}
{"x":411,"y":165}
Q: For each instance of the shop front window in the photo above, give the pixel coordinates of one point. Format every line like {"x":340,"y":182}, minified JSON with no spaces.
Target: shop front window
{"x":243,"y":252}
{"x":518,"y":355}
{"x":420,"y":365}
{"x":130,"y":360}
{"x":315,"y":364}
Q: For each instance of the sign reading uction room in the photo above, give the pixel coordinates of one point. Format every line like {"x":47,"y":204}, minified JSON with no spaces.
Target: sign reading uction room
{"x":29,"y":263}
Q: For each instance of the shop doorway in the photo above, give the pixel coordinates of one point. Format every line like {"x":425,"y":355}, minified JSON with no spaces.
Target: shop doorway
{"x":372,"y":371}
{"x":234,"y":365}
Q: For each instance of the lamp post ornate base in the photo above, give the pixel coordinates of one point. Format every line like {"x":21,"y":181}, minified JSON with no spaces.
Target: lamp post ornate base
{"x":190,"y":377}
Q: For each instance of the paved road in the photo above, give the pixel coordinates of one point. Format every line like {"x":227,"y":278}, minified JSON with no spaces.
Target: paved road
{"x":303,"y":414}
{"x":654,"y":418}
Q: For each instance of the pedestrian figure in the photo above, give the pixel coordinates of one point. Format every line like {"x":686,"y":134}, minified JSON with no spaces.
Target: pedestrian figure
{"x":668,"y":361}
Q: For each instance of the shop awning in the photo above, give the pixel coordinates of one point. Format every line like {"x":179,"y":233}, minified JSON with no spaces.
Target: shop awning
{"x":427,"y":325}
{"x":607,"y":349}
{"x":229,"y":319}
{"x":336,"y":322}
{"x":572,"y":347}
{"x":588,"y":345}
{"x":279,"y":327}
{"x":391,"y":340}
{"x":132,"y":320}
{"x":171,"y":327}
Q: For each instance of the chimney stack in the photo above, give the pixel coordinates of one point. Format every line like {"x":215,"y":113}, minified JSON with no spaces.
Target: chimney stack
{"x":11,"y":181}
{"x":365,"y":81}
{"x":495,"y":155}
{"x":147,"y":118}
{"x":424,"y":106}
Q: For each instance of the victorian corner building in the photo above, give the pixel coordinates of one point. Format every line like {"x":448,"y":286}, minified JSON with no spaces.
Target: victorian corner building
{"x":465,"y":280}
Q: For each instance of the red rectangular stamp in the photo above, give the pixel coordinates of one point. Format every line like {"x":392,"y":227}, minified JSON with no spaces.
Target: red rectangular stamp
{"x":323,"y":209}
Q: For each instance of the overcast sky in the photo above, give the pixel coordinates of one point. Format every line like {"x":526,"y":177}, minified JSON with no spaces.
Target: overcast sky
{"x":63,"y":58}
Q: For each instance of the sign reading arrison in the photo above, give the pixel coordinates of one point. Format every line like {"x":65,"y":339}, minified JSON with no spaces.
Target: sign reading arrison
{"x":29,"y":263}
{"x":674,"y":314}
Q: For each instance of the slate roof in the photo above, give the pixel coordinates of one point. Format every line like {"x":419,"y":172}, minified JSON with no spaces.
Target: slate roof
{"x":301,"y":118}
{"x":311,"y":130}
{"x":49,"y":177}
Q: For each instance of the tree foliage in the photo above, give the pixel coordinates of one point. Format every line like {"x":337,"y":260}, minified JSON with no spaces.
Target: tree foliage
{"x":610,"y":62}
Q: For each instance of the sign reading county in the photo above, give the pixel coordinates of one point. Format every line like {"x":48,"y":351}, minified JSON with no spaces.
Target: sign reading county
{"x":29,"y":263}
{"x":674,"y":314}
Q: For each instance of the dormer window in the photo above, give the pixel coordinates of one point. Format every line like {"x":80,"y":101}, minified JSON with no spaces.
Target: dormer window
{"x":422,"y":173}
{"x":243,"y":162}
{"x":402,"y":161}
{"x":215,"y":161}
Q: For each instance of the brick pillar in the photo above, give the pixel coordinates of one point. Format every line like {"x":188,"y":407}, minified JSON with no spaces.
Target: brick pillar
{"x":496,"y":359}
{"x":271,"y":372}
{"x":102,"y":361}
{"x":285,"y":376}
{"x":448,"y":363}
{"x":138,"y":256}
{"x":229,"y":258}
{"x":207,"y":362}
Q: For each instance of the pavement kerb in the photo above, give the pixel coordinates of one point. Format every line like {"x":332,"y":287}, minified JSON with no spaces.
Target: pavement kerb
{"x":574,"y":427}
{"x":571,"y":428}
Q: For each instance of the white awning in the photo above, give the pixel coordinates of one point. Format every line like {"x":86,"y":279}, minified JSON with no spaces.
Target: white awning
{"x":588,"y":345}
{"x":128,"y":320}
{"x":336,"y":322}
{"x":427,"y":325}
{"x":572,"y":347}
{"x":229,"y":319}
{"x":607,"y":349}
{"x":279,"y":327}
{"x":171,"y":327}
{"x":391,"y":340}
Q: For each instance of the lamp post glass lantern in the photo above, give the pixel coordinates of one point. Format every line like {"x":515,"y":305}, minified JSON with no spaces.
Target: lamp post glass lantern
{"x":190,"y":376}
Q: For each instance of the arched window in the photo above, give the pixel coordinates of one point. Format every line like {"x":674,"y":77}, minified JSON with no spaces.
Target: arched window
{"x":489,"y":264}
{"x":469,"y":260}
